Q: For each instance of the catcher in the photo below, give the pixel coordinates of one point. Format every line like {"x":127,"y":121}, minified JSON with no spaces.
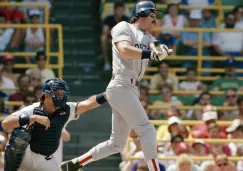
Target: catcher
{"x":38,"y":127}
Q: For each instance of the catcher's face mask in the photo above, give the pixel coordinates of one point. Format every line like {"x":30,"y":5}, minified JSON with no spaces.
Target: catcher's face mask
{"x":58,"y":90}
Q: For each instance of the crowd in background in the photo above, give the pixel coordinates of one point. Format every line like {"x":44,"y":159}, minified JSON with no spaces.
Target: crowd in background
{"x":171,"y":136}
{"x":21,"y":85}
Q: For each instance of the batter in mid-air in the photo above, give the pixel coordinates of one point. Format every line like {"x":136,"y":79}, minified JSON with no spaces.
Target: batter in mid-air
{"x":130,"y":45}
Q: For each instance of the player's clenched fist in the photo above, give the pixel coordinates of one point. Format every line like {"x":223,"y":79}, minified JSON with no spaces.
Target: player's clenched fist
{"x":43,"y":120}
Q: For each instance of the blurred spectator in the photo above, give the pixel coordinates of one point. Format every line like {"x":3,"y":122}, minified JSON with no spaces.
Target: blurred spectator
{"x":167,"y":101}
{"x":173,"y":19}
{"x":162,"y":130}
{"x":183,"y":163}
{"x":199,"y":148}
{"x":12,"y":14}
{"x":236,"y":132}
{"x":167,"y":39}
{"x":190,"y":84}
{"x":142,"y":167}
{"x":26,"y":9}
{"x":34,"y":38}
{"x":182,"y":148}
{"x":220,"y":163}
{"x":229,"y":81}
{"x":201,"y":131}
{"x":228,"y":43}
{"x":238,"y":10}
{"x":5,"y":81}
{"x":170,"y":150}
{"x":3,"y":108}
{"x":240,"y":109}
{"x":145,"y":106}
{"x":29,"y":99}
{"x":23,"y":83}
{"x":202,"y":101}
{"x":164,"y":77}
{"x":197,"y":2}
{"x":173,"y":128}
{"x":230,"y":100}
{"x":35,"y":77}
{"x":109,"y":23}
{"x":240,"y":162}
{"x":5,"y":33}
{"x":144,"y":93}
{"x":8,"y":63}
{"x":208,"y":19}
{"x":214,"y":133}
{"x":190,"y":41}
{"x":47,"y":73}
{"x":38,"y":92}
{"x":185,"y":131}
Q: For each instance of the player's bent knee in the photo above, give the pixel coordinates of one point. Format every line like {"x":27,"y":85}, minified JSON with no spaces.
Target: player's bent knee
{"x":118,"y":146}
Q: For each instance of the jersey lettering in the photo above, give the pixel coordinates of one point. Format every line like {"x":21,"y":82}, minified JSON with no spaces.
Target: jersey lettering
{"x":140,"y":46}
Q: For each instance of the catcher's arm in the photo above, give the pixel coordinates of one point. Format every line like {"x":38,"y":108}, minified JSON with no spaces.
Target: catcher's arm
{"x":91,"y":103}
{"x":16,"y":120}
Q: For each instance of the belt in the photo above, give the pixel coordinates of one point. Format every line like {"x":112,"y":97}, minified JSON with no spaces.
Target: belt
{"x":127,"y":79}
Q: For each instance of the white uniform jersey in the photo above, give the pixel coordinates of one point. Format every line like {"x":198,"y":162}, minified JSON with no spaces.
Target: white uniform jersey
{"x":132,"y":68}
{"x":28,"y":111}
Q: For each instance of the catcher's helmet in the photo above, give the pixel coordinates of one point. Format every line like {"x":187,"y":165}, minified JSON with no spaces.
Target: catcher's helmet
{"x":144,"y":8}
{"x":52,"y":85}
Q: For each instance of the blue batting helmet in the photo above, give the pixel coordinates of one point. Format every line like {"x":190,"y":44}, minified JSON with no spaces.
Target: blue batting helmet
{"x":52,"y":85}
{"x":144,"y":8}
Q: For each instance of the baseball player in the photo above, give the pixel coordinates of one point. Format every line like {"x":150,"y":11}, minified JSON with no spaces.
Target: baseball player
{"x":38,"y":127}
{"x":131,"y":54}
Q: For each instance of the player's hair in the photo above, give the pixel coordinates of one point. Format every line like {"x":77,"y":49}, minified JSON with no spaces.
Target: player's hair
{"x":134,"y":20}
{"x":118,"y":4}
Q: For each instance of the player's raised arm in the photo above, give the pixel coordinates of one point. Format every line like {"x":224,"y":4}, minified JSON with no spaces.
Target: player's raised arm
{"x":91,"y":103}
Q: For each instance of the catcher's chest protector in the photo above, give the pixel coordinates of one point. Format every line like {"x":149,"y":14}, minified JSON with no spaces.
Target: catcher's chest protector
{"x":46,"y":142}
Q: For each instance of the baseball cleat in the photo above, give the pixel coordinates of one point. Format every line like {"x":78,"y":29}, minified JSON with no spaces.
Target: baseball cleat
{"x":70,"y":166}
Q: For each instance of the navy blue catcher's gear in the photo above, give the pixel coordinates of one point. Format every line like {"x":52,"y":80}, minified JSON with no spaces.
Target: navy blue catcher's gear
{"x":15,"y":149}
{"x":144,"y":8}
{"x":51,"y":86}
{"x":46,"y":142}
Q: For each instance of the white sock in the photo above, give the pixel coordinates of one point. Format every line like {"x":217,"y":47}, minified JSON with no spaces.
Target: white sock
{"x":153,"y":165}
{"x":84,"y":159}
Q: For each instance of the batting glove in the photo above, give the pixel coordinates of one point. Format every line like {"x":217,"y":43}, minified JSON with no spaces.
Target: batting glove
{"x":154,"y":56}
{"x":165,"y":51}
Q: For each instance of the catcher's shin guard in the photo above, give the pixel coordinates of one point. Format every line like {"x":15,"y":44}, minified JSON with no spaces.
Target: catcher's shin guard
{"x":15,"y":149}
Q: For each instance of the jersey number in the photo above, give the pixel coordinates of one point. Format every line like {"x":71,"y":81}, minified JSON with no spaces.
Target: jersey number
{"x":140,"y":46}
